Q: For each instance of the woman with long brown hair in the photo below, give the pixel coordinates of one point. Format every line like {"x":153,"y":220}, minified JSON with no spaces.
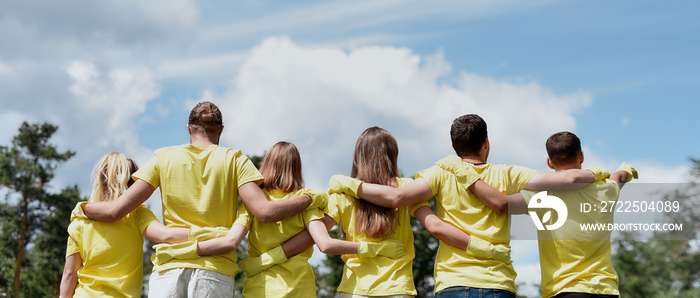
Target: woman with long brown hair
{"x":269,"y":272}
{"x":375,"y":161}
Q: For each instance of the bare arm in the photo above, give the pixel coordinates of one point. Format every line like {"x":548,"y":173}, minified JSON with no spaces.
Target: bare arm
{"x":620,"y":177}
{"x":159,"y":233}
{"x":265,"y":210}
{"x":440,"y":229}
{"x":564,"y":180}
{"x":319,"y":232}
{"x":490,"y":196}
{"x":70,"y":275}
{"x":222,"y":245}
{"x":416,"y":191}
{"x":302,"y":241}
{"x":517,"y":204}
{"x":113,"y":210}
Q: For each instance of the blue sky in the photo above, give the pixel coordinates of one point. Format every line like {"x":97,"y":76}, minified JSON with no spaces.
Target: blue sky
{"x":123,"y":75}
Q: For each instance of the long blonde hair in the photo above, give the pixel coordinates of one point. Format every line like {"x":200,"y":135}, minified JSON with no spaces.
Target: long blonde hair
{"x":111,"y":177}
{"x":375,"y":161}
{"x":281,"y":168}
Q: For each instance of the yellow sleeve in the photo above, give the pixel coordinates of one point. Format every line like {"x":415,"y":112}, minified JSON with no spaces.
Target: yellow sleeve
{"x":144,"y":217}
{"x":333,"y":207}
{"x":518,"y":177}
{"x":412,"y":209}
{"x":433,"y":176}
{"x":246,"y":171}
{"x":149,"y":173}
{"x":245,"y":217}
{"x":74,"y":233}
{"x":313,"y":214}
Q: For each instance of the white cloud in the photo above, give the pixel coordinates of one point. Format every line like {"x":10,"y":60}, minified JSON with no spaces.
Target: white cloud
{"x":6,"y":69}
{"x":101,"y":115}
{"x":322,"y":98}
{"x":528,"y":280}
{"x":650,"y":171}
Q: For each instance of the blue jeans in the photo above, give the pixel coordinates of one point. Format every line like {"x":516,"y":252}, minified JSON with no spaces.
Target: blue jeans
{"x":468,"y":292}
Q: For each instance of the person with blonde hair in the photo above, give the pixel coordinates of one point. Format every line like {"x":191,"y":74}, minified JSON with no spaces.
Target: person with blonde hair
{"x":105,"y":259}
{"x":199,"y":183}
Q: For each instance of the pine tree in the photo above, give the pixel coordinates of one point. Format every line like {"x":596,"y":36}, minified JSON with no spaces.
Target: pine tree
{"x":30,"y":213}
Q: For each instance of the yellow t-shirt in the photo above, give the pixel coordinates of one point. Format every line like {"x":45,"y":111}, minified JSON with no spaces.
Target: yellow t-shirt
{"x":112,"y":253}
{"x":199,"y":187}
{"x":573,"y":260}
{"x":293,"y":278}
{"x":460,"y":207}
{"x":381,"y":275}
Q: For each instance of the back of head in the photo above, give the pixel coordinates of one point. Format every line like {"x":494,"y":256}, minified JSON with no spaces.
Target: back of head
{"x":563,"y":147}
{"x":375,"y":161}
{"x":111,"y":177}
{"x":205,"y":118}
{"x":281,"y":168}
{"x":468,"y":134}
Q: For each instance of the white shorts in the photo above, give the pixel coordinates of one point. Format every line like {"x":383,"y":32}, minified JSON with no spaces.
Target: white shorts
{"x":186,"y":282}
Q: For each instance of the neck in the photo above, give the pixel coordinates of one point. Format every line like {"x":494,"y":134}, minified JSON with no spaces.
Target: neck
{"x":201,"y":141}
{"x":474,"y":159}
{"x":561,"y":168}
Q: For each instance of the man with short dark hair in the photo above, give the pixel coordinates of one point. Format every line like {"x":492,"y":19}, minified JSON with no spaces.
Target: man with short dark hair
{"x":577,"y":263}
{"x":459,"y":272}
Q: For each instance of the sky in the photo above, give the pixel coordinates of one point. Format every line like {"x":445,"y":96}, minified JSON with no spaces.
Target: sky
{"x":123,"y":76}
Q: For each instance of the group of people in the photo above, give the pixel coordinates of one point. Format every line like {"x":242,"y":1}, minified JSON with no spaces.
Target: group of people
{"x":203,"y":223}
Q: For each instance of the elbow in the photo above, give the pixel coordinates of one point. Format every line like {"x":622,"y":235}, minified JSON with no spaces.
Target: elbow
{"x":115,"y":215}
{"x":395,"y":199}
{"x":435,"y":226}
{"x":70,"y":276}
{"x":112,"y":217}
{"x":231,"y":244}
{"x":501,"y":208}
{"x":265,"y":217}
{"x":324,"y":246}
{"x":168,"y":238}
{"x":433,"y":231}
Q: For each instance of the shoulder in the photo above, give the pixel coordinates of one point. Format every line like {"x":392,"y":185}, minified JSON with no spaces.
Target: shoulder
{"x":166,"y":150}
{"x":432,"y":171}
{"x":607,"y":184}
{"x":75,"y":227}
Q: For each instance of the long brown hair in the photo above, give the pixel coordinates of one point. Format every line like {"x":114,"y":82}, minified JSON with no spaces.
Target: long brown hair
{"x":281,"y":168}
{"x":375,"y":161}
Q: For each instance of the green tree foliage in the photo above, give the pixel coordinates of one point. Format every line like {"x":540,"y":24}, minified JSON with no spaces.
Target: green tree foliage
{"x":662,"y":267}
{"x":33,"y":225}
